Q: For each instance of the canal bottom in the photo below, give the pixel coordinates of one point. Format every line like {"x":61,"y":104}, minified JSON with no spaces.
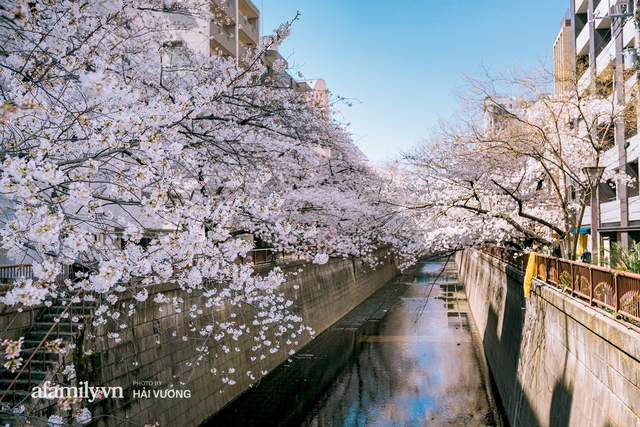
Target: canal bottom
{"x":407,"y":356}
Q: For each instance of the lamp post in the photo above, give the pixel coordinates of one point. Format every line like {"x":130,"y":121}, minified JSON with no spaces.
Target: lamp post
{"x":594,"y":173}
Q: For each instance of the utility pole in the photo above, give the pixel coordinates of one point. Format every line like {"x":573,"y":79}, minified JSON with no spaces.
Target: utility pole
{"x":236,"y":35}
{"x":636,"y":17}
{"x":617,"y":22}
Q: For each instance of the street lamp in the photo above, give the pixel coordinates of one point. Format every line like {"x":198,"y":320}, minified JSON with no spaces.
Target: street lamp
{"x":594,"y":173}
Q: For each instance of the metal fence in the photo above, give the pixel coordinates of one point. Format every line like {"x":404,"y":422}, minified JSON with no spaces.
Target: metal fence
{"x":607,"y":288}
{"x":70,"y":310}
{"x":8,"y":273}
{"x":513,"y":258}
{"x":258,"y":256}
{"x":601,"y":286}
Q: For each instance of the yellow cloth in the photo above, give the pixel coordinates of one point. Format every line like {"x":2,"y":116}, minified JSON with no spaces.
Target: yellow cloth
{"x":528,"y":276}
{"x":582,"y":245}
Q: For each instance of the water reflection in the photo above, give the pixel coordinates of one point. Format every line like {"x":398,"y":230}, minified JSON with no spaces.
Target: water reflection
{"x":419,"y":370}
{"x":415,"y":366}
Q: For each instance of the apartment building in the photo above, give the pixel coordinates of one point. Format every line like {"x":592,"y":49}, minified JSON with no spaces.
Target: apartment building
{"x":597,"y":45}
{"x":235,"y":28}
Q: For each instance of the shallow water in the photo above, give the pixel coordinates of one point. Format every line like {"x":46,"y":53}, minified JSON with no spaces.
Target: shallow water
{"x":407,"y":356}
{"x":421,"y":368}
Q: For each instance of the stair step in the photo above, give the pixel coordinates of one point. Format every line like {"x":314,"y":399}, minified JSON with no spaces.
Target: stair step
{"x":23,"y":383}
{"x":19,"y":396}
{"x":51,"y":318}
{"x":41,"y":333}
{"x":28,"y":351}
{"x":41,"y":328}
{"x":40,"y":369}
{"x":32,"y":341}
{"x":76,"y":309}
{"x":36,"y":372}
{"x":7,"y":420}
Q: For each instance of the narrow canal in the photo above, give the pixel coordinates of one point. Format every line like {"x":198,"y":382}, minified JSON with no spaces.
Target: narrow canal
{"x":408,"y":356}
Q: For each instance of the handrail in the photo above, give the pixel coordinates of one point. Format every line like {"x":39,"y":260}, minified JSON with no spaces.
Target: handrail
{"x":602,"y":286}
{"x":56,"y":325}
{"x":3,"y":266}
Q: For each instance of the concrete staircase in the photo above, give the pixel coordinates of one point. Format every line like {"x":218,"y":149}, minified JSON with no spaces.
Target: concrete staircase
{"x":39,"y":364}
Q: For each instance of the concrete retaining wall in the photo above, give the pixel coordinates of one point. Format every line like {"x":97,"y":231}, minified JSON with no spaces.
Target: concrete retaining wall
{"x":556,"y":362}
{"x":325,"y":293}
{"x":14,"y":323}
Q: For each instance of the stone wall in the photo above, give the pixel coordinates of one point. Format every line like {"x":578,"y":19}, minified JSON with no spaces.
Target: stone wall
{"x":322,"y":294}
{"x":556,"y":361}
{"x":16,"y":323}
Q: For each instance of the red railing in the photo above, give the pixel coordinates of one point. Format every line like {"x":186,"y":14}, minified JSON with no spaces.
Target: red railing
{"x":607,"y":288}
{"x":513,"y":258}
{"x":602,"y":286}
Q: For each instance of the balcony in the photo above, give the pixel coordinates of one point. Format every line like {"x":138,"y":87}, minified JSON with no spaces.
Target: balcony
{"x":605,"y":57}
{"x":610,"y":212}
{"x":586,"y":218}
{"x":224,"y":14}
{"x":222,"y":39}
{"x":580,"y":6}
{"x":628,"y":33}
{"x":601,"y":15}
{"x":634,"y":208}
{"x":610,"y":158}
{"x":271,"y":56}
{"x":582,"y":42}
{"x":584,"y":81}
{"x":249,"y":35}
{"x":633,"y":152}
{"x":248,"y":9}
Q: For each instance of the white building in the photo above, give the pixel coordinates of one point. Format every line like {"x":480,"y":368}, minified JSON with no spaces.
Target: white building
{"x":598,"y":41}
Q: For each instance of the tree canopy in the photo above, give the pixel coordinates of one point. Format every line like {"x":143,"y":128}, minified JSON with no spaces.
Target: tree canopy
{"x":509,"y":165}
{"x":130,"y":156}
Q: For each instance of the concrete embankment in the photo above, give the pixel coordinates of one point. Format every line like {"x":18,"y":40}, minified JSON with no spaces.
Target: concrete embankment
{"x":152,"y":359}
{"x":556,"y":361}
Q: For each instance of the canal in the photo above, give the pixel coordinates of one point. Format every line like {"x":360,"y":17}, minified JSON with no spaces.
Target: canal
{"x":407,"y":356}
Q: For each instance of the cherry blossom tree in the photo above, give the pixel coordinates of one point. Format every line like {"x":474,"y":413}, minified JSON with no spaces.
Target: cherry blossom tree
{"x":130,"y":160}
{"x":509,"y":165}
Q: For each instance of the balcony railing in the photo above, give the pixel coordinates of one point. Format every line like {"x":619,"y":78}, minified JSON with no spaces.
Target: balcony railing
{"x":8,"y":273}
{"x":258,"y":257}
{"x":615,"y":290}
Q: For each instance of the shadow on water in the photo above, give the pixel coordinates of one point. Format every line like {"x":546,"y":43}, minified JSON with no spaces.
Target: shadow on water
{"x":394,"y":369}
{"x":288,"y":393}
{"x":284,"y":397}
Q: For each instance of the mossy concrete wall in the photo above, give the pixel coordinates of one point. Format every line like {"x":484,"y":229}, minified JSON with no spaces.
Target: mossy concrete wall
{"x":16,"y":323}
{"x":556,"y":361}
{"x":322,"y":294}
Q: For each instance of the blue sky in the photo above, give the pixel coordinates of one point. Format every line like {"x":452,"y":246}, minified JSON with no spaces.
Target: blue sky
{"x":403,"y":59}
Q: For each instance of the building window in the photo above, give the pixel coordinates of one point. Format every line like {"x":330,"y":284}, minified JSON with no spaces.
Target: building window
{"x":630,"y":120}
{"x":608,"y":191}
{"x":632,"y":171}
